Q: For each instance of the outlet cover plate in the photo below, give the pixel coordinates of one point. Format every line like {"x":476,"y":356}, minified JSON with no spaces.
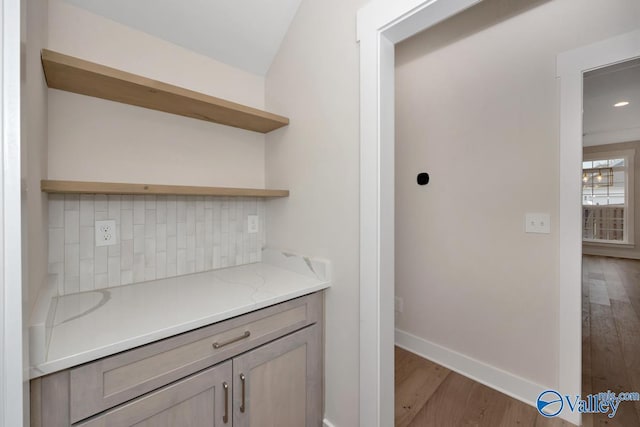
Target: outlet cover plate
{"x":252,"y":224}
{"x":106,"y":233}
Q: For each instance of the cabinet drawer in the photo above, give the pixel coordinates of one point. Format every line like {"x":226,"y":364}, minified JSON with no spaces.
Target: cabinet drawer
{"x":100,"y":385}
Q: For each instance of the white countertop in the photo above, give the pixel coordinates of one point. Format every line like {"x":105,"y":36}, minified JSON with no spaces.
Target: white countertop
{"x":91,"y":325}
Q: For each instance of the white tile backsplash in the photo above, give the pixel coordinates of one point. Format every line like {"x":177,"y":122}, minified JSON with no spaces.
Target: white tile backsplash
{"x":157,"y":237}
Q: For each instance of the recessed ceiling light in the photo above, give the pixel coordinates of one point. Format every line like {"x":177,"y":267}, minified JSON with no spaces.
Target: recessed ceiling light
{"x":621,"y":104}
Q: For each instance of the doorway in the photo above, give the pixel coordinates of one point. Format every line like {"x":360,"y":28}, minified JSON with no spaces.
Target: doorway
{"x":611,"y":256}
{"x":380,"y":26}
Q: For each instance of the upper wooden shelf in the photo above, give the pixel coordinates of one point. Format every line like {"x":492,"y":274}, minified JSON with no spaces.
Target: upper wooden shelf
{"x":87,"y":78}
{"x":82,"y":187}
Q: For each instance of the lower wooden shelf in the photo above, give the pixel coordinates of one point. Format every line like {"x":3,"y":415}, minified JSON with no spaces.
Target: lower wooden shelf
{"x":84,"y":187}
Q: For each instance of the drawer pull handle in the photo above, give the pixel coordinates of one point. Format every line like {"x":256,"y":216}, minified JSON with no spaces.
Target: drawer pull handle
{"x":225,"y":418}
{"x":218,"y":345}
{"x":242,"y":380}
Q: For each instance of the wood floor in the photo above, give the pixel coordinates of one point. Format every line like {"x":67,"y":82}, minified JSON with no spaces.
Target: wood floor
{"x":611,"y":333}
{"x":428,"y":394}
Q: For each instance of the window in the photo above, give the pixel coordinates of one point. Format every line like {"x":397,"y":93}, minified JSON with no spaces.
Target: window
{"x":607,"y":197}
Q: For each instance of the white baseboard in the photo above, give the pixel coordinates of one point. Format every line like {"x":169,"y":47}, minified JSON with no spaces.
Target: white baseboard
{"x":327,"y":423}
{"x":505,"y":382}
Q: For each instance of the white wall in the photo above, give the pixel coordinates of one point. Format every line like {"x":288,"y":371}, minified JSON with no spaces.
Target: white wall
{"x":477,"y":108}
{"x":33,"y":168}
{"x":610,"y":250}
{"x":314,"y":81}
{"x":93,"y":139}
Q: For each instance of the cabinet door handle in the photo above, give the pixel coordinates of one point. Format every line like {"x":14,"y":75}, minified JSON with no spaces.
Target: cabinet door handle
{"x":242,"y":380}
{"x":225,"y":418}
{"x":217,"y":345}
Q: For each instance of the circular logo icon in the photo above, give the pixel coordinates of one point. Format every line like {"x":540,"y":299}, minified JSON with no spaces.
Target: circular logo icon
{"x":549,"y":403}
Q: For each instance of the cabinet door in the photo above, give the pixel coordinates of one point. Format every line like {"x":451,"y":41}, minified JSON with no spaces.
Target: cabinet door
{"x":280,"y":384}
{"x":201,"y":400}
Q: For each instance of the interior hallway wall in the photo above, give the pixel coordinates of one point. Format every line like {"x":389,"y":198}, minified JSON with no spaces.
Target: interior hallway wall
{"x":315,"y":81}
{"x":477,"y":108}
{"x":96,"y":140}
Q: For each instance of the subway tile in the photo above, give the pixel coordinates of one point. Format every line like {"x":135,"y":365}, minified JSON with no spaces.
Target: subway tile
{"x":150,"y":201}
{"x":161,"y":210}
{"x":126,"y":277}
{"x":101,"y":281}
{"x":149,"y":259}
{"x":72,"y":285}
{"x":114,"y":208}
{"x":182,"y":235}
{"x":86,"y":274}
{"x":100,"y":256}
{"x":71,"y":260}
{"x":138,"y":239}
{"x":138,"y":267}
{"x":100,"y":203}
{"x":150,"y":223}
{"x":208,"y":257}
{"x":199,"y":259}
{"x":172,"y":270}
{"x":172,"y":250}
{"x":72,"y":202}
{"x":161,"y":237}
{"x":87,"y":236}
{"x":114,"y":271}
{"x":138,"y":210}
{"x":161,"y":265}
{"x":199,"y":210}
{"x":200,"y":235}
{"x":126,"y":255}
{"x":86,"y":210}
{"x":114,"y":250}
{"x":57,"y":268}
{"x":56,"y":245}
{"x":182,"y":262}
{"x":72,"y":226}
{"x":216,"y":257}
{"x":191,"y":248}
{"x":56,"y":210}
{"x":126,"y":202}
{"x":181,"y":209}
{"x":126,"y":224}
{"x":158,"y":237}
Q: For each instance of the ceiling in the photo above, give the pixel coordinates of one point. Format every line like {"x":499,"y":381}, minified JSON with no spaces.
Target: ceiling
{"x":604,"y":123}
{"x":243,"y":33}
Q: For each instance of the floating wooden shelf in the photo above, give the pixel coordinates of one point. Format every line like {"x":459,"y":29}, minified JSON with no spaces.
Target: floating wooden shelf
{"x":87,"y":78}
{"x":81,"y":187}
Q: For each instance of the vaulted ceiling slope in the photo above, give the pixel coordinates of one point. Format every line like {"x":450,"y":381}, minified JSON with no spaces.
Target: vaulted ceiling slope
{"x":245,"y":34}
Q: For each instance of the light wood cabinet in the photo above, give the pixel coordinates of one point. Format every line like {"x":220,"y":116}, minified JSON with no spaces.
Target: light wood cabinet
{"x":280,"y":384}
{"x":263,"y":368}
{"x":199,"y":400}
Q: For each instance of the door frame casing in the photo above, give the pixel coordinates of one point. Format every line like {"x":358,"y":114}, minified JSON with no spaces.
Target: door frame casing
{"x":570,"y":68}
{"x":380,"y":25}
{"x":12,"y":374}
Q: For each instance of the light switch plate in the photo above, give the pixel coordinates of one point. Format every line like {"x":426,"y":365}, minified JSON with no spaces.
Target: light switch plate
{"x":537,"y":223}
{"x":106,"y":233}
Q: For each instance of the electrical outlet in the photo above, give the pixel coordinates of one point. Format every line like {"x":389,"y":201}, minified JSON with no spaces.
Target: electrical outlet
{"x":399,"y":306}
{"x":252,"y":224}
{"x":106,"y":233}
